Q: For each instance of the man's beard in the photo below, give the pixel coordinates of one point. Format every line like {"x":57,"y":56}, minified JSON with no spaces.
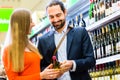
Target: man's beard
{"x":60,"y":25}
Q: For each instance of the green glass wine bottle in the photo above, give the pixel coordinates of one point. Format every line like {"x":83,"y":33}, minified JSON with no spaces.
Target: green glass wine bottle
{"x":56,"y":64}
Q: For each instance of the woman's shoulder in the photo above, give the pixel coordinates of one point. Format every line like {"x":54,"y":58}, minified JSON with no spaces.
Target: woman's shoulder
{"x":5,"y":51}
{"x":5,"y":54}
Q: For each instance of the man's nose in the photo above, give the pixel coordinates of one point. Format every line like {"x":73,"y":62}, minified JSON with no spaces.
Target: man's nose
{"x":55,"y":19}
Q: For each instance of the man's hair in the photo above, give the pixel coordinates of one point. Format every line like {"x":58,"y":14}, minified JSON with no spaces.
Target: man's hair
{"x":56,"y":2}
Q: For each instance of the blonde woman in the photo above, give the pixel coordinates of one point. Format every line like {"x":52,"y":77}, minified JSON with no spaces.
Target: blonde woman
{"x":21,"y":58}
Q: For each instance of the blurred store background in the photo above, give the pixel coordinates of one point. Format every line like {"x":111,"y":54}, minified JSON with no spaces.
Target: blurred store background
{"x":38,"y":14}
{"x":101,"y":18}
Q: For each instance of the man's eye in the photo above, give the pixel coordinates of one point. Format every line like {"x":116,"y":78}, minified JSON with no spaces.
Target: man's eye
{"x":58,"y":15}
{"x":51,"y":17}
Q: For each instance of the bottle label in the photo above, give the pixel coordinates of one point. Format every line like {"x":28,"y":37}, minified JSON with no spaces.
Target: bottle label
{"x":108,"y":50}
{"x":98,"y":52}
{"x":118,"y":76}
{"x":118,"y":47}
{"x":95,"y":55}
{"x":102,"y":51}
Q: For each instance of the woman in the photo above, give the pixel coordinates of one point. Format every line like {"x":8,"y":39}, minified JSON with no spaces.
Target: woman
{"x":21,"y":58}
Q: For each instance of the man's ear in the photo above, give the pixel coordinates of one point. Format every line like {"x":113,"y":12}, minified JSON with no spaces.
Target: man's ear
{"x":65,"y":12}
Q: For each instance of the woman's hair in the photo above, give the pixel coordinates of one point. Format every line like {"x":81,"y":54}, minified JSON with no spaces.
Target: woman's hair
{"x":20,"y":25}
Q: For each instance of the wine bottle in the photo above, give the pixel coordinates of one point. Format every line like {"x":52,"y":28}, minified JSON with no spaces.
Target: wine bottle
{"x":114,"y":6}
{"x":118,"y":4}
{"x":56,"y":64}
{"x":110,"y":70}
{"x":107,"y":77}
{"x":102,"y":9}
{"x":110,"y":40}
{"x":106,"y":8}
{"x":98,"y":45}
{"x":98,"y":10}
{"x":96,"y":71}
{"x":77,"y":20}
{"x":101,"y":74}
{"x":71,"y":23}
{"x":90,"y":71}
{"x":110,"y":7}
{"x":95,"y":13}
{"x":91,"y":13}
{"x":90,"y":9}
{"x":103,"y":41}
{"x":95,"y":43}
{"x":112,"y":65}
{"x":114,"y":38}
{"x":74,"y":22}
{"x":82,"y":21}
{"x":107,"y":39}
{"x":118,"y":37}
{"x":117,"y":67}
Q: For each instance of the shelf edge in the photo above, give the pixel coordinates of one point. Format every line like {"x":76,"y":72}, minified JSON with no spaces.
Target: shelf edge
{"x":108,"y":59}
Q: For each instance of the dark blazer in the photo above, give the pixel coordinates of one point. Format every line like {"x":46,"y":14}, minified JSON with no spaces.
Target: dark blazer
{"x":79,"y":49}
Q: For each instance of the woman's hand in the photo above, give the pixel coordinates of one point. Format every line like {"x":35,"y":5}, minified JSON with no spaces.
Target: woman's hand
{"x":50,"y":73}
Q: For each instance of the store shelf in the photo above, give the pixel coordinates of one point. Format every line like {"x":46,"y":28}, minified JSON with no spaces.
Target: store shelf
{"x":82,"y":6}
{"x":108,"y":59}
{"x":104,"y":21}
{"x":39,"y":27}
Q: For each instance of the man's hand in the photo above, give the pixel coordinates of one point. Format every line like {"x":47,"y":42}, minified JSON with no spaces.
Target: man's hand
{"x":66,"y":65}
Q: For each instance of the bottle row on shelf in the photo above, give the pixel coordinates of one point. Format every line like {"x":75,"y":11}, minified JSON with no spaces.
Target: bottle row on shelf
{"x":106,"y":40}
{"x":77,"y":21}
{"x":102,"y":8}
{"x":106,"y":71}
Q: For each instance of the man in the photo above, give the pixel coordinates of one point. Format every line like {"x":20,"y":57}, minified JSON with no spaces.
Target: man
{"x":75,"y":53}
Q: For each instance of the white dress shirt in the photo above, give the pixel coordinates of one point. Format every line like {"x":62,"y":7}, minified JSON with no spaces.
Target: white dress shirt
{"x":62,"y":53}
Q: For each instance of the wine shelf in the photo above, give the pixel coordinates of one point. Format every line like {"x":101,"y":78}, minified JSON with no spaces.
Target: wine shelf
{"x":104,"y":21}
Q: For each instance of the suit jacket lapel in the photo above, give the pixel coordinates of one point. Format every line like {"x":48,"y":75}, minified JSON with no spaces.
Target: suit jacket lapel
{"x":69,"y":39}
{"x":51,"y":41}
